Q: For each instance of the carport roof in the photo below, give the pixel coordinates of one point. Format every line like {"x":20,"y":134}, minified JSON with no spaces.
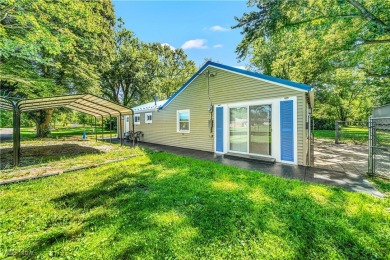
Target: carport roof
{"x":85,"y":103}
{"x":5,"y":104}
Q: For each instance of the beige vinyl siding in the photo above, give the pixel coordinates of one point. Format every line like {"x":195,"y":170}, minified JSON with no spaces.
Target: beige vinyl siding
{"x":225,"y":87}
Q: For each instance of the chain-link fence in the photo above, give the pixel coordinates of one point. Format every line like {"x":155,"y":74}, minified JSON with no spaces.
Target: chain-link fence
{"x":379,"y":146}
{"x":355,"y":132}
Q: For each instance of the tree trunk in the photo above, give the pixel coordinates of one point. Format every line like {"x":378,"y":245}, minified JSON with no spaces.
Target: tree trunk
{"x":43,"y":123}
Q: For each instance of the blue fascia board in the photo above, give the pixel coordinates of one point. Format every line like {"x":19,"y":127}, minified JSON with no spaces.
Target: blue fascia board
{"x":289,"y":83}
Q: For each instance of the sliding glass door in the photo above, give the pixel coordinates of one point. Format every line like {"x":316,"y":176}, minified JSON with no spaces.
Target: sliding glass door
{"x":260,"y":129}
{"x":250,"y":129}
{"x":239,"y":129}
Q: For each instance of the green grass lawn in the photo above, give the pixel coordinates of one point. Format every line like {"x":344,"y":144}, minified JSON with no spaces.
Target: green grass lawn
{"x":347,"y":134}
{"x":167,"y":206}
{"x":382,"y":185}
{"x":324,"y":134}
{"x":353,"y":134}
{"x":28,"y":133}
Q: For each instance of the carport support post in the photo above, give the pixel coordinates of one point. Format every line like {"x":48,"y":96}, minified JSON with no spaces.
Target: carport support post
{"x":16,"y":134}
{"x":120,"y":127}
{"x":133,"y":128}
{"x":102,"y":130}
{"x":95,"y":130}
{"x":110,"y":129}
{"x":128,"y":119}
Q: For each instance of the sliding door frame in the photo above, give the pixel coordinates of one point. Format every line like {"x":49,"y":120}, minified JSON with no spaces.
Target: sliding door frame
{"x":275,"y":126}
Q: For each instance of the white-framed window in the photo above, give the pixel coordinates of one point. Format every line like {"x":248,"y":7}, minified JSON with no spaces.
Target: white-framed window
{"x":148,"y":118}
{"x":183,"y":121}
{"x":137,"y":119}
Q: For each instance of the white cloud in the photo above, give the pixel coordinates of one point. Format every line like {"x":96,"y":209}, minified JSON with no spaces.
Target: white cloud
{"x":170,"y":46}
{"x":195,"y":44}
{"x":217,"y":46}
{"x":218,"y":28}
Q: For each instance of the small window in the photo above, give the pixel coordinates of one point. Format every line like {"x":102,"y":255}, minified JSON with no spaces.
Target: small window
{"x":148,"y":118}
{"x":137,"y":119}
{"x":183,"y":121}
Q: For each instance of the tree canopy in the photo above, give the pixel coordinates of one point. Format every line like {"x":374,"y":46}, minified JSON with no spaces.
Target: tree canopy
{"x":340,"y":47}
{"x":63,"y":47}
{"x":60,"y":46}
{"x":54,"y":47}
{"x":142,"y":70}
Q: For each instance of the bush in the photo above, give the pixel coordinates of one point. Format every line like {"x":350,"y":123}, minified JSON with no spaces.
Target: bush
{"x":107,"y":124}
{"x":5,"y":118}
{"x":323,"y":124}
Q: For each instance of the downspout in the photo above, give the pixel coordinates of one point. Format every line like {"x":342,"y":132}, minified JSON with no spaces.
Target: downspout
{"x":211,"y":123}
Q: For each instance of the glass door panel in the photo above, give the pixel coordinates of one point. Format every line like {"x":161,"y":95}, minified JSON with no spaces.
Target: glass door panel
{"x":260,"y":129}
{"x":239,"y":129}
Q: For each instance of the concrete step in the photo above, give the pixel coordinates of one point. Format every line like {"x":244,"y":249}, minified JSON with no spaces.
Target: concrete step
{"x":249,"y":157}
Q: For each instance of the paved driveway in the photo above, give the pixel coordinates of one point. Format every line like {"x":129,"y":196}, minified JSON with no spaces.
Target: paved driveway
{"x":5,"y":134}
{"x":341,"y":157}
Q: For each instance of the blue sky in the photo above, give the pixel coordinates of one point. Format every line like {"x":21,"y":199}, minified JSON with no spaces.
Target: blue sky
{"x":201,"y":28}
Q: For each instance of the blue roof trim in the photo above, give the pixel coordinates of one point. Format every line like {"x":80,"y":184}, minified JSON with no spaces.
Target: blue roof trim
{"x":289,"y":83}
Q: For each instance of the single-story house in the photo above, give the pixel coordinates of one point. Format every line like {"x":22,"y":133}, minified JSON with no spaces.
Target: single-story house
{"x":224,"y":109}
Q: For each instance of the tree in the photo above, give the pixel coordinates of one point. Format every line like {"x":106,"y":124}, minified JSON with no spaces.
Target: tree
{"x":53,"y":48}
{"x":140,"y":70}
{"x":173,"y":70}
{"x":344,"y":95}
{"x":128,"y":75}
{"x":83,"y":118}
{"x":5,"y":118}
{"x":320,"y":43}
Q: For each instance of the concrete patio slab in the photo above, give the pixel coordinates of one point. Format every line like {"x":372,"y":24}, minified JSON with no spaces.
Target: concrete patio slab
{"x":349,"y":158}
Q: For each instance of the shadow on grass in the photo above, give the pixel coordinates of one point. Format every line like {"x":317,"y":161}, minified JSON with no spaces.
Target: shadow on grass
{"x":34,"y":155}
{"x":178,"y":207}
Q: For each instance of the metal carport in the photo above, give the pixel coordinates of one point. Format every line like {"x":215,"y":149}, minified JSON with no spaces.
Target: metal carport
{"x":84,"y":103}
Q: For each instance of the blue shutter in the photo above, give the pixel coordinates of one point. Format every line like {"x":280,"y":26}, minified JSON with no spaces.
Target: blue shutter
{"x":287,"y":130}
{"x":219,"y":130}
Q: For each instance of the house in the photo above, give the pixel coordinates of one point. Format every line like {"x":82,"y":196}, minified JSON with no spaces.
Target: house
{"x":224,"y":109}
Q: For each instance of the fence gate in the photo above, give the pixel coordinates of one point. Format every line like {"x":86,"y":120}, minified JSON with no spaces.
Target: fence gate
{"x":351,"y":131}
{"x":379,"y":146}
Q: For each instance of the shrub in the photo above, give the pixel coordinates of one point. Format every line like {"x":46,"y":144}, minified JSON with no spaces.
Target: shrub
{"x":324,"y":124}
